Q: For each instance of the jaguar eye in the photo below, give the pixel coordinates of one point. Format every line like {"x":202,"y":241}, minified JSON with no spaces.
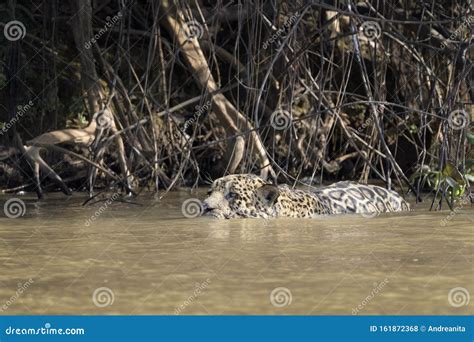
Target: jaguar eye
{"x":231,"y":196}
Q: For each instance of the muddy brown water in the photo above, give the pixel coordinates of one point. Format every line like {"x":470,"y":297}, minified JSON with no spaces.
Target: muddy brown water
{"x":146,"y":258}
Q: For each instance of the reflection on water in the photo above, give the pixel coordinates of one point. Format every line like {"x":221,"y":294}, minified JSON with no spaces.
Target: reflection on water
{"x":146,"y":258}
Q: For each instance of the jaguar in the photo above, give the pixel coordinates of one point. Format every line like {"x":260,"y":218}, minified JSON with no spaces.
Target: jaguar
{"x":249,"y":196}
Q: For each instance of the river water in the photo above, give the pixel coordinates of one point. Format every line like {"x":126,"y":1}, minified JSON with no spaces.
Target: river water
{"x":145,"y":257}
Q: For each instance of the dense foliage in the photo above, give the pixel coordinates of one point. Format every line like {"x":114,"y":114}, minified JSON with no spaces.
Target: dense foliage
{"x":331,"y":89}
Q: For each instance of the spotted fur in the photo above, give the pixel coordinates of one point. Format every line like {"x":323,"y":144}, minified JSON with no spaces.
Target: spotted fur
{"x":246,"y":195}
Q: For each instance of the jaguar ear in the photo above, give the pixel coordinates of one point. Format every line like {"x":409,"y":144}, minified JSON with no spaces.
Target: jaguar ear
{"x":268,"y":194}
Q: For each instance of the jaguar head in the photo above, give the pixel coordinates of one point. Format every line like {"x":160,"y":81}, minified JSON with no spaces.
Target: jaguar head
{"x":242,"y":195}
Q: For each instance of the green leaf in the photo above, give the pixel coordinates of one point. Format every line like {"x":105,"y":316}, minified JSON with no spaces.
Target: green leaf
{"x":451,"y":171}
{"x":470,"y":138}
{"x":457,"y":191}
{"x":435,"y":179}
{"x":451,"y":182}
